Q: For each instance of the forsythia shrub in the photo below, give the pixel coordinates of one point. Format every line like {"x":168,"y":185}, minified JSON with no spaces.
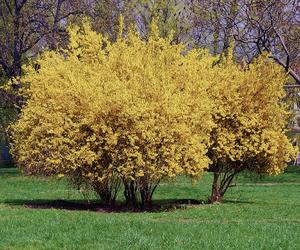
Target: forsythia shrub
{"x":130,"y":112}
{"x":133,"y":112}
{"x":250,"y":122}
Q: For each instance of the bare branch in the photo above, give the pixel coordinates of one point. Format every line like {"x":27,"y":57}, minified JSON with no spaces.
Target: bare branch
{"x":285,"y":49}
{"x":291,"y":72}
{"x":8,"y":7}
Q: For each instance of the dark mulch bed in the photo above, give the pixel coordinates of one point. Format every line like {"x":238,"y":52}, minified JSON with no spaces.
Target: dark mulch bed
{"x":98,"y":207}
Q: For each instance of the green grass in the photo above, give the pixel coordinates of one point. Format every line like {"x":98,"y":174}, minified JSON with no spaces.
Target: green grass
{"x":260,"y":215}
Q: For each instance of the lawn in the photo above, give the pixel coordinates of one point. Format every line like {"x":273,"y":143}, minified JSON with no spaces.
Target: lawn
{"x":256,"y":214}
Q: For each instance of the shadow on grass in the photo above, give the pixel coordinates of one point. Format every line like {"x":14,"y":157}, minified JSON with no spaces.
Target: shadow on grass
{"x":237,"y":202}
{"x":266,"y":203}
{"x":292,"y":170}
{"x":97,"y":206}
{"x":11,"y":172}
{"x":6,"y":164}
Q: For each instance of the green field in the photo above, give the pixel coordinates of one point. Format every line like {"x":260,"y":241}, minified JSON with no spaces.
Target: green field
{"x":257,"y":214}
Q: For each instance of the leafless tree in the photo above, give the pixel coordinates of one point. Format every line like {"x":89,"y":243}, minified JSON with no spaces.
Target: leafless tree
{"x":28,"y":25}
{"x":255,"y":26}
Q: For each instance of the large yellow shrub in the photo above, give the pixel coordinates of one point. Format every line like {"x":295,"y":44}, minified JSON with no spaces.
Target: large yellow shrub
{"x":102,"y":113}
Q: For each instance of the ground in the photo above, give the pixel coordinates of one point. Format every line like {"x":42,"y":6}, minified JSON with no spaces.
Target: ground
{"x":256,"y":214}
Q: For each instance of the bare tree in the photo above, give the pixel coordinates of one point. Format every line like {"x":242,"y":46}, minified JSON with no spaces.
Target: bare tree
{"x":272,"y":26}
{"x":172,"y":16}
{"x":255,"y":26}
{"x":28,"y":25}
{"x":104,"y":15}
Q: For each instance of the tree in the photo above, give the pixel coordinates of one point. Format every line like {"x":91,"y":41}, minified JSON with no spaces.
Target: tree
{"x":214,"y":23}
{"x":103,"y":113}
{"x":272,"y":26}
{"x":171,"y":15}
{"x":8,"y":113}
{"x":104,"y":15}
{"x":250,"y":122}
{"x":27,"y":26}
{"x":256,"y":27}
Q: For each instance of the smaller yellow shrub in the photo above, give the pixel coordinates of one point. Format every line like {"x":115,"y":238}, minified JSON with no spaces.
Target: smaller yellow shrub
{"x":250,"y":122}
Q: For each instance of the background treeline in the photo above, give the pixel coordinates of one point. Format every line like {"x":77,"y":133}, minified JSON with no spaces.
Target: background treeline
{"x":28,"y":27}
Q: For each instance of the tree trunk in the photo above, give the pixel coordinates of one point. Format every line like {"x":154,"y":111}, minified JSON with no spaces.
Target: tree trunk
{"x":215,"y":190}
{"x":17,"y":67}
{"x":146,"y":196}
{"x":130,"y":190}
{"x":221,"y":182}
{"x":105,"y":193}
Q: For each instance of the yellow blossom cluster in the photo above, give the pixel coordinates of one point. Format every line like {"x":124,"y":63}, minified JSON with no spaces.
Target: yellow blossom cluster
{"x":250,"y":118}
